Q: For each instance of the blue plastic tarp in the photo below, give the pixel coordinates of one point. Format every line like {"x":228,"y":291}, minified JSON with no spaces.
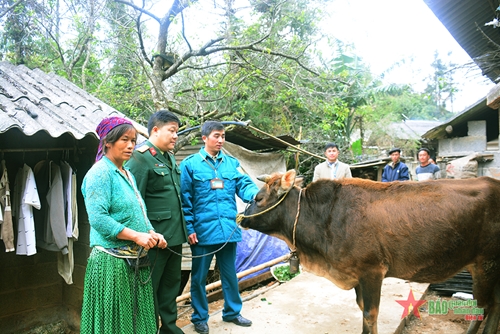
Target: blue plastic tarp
{"x":256,"y":248}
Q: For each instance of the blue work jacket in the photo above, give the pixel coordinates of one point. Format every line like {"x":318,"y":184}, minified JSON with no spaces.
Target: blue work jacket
{"x":398,"y":172}
{"x":211,"y":213}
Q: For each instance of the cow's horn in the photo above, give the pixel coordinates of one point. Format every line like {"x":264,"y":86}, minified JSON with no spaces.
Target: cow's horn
{"x":264,"y":178}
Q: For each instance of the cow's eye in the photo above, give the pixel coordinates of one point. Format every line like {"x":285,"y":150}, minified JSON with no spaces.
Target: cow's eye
{"x":258,"y":198}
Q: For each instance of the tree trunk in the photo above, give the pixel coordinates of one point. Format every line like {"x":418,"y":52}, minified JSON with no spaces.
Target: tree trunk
{"x":158,"y":92}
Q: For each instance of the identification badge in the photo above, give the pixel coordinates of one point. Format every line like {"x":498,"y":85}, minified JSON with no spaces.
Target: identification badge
{"x":217,"y":183}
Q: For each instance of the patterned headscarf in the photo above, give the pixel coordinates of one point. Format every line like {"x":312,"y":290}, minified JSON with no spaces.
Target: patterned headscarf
{"x":103,"y":129}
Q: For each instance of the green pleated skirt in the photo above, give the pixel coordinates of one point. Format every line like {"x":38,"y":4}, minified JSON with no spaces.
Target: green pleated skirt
{"x":110,"y":290}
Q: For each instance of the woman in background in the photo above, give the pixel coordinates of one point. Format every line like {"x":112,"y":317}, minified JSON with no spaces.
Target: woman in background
{"x":117,"y":297}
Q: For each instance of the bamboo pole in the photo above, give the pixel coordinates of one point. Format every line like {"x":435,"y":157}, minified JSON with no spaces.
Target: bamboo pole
{"x":297,"y":154}
{"x":241,"y":274}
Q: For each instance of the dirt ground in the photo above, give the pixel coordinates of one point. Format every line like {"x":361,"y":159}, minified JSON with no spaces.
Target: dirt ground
{"x":436,"y":324}
{"x":60,"y":327}
{"x":441,"y":324}
{"x":184,"y":311}
{"x":450,"y":323}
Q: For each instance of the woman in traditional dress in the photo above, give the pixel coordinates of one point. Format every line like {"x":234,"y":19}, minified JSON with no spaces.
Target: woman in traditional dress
{"x":118,"y":298}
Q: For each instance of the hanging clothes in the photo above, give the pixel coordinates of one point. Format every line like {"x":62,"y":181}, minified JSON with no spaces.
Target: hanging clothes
{"x":74,"y":206}
{"x":6,"y":231}
{"x":65,"y":263}
{"x":51,"y":222}
{"x":69,"y":194}
{"x":28,"y":199}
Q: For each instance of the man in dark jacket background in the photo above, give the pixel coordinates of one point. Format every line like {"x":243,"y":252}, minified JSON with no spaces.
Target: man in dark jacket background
{"x":396,"y":170}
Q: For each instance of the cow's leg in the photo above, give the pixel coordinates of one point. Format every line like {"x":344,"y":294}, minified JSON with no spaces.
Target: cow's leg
{"x":486,"y":291}
{"x":491,"y":325}
{"x":359,"y":301}
{"x":371,"y":286}
{"x":474,"y":326}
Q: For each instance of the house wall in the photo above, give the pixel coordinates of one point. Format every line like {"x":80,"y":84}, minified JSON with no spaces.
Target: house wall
{"x":32,"y":293}
{"x":475,"y":141}
{"x":490,"y":167}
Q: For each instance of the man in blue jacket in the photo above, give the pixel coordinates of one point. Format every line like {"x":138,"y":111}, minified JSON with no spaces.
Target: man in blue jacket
{"x":209,"y":182}
{"x":396,"y":170}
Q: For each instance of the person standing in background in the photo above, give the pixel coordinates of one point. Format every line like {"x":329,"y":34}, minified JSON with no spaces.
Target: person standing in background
{"x":158,"y":180}
{"x":332,"y":168}
{"x":426,"y":170}
{"x":396,"y":170}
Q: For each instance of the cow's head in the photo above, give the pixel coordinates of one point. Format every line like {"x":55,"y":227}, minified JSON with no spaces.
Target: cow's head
{"x":275,"y":188}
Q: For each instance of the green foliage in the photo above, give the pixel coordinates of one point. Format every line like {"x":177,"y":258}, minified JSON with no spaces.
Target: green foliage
{"x":285,"y":83}
{"x":19,"y":36}
{"x":405,"y":105}
{"x":440,"y":88}
{"x":282,"y":273}
{"x":357,"y":148}
{"x":126,"y":85}
{"x":32,"y":35}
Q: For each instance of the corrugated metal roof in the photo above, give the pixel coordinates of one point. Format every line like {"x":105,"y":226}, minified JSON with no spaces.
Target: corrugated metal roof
{"x":238,"y":133}
{"x":462,"y":19}
{"x":244,"y":137}
{"x":33,"y":101}
{"x":478,"y":111}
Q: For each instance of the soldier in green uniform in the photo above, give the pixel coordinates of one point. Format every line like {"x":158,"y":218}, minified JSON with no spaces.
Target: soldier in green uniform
{"x":158,"y":180}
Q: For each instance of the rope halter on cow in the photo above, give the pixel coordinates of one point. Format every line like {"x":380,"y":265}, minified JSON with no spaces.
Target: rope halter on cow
{"x":294,"y":260}
{"x":296,"y":220}
{"x":241,"y":216}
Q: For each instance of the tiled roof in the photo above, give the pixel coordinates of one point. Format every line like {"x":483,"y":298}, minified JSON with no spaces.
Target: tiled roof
{"x":33,"y":101}
{"x":411,"y":129}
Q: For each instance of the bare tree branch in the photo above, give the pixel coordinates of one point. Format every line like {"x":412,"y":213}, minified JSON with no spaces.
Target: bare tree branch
{"x":486,"y":36}
{"x":177,"y":7}
{"x":8,"y":9}
{"x":274,"y":53}
{"x":81,"y":49}
{"x":184,"y":140}
{"x":139,"y":9}
{"x":183,"y":33}
{"x":208,"y":49}
{"x":141,"y":40}
{"x":201,"y":67}
{"x":175,"y":67}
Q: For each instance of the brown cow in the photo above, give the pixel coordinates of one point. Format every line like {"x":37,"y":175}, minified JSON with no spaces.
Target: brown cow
{"x":356,"y":232}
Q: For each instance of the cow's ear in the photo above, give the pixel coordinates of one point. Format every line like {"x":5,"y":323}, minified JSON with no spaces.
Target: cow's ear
{"x":264,"y":178}
{"x":287,"y":181}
